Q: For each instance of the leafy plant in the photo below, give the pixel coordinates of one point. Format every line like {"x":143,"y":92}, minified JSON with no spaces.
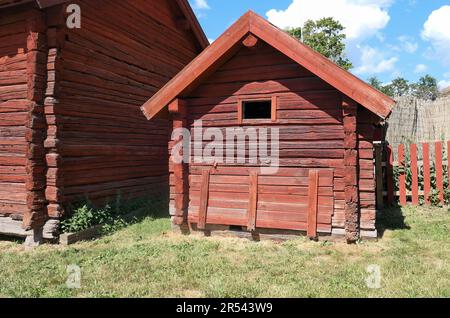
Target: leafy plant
{"x":110,"y":216}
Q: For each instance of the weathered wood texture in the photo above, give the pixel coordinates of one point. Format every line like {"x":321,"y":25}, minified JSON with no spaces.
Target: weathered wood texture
{"x":124,"y":52}
{"x":351,"y":179}
{"x":310,"y":119}
{"x":308,"y":115}
{"x":366,"y":172}
{"x":14,"y":106}
{"x":70,"y":124}
{"x":36,"y":214}
{"x":281,"y":199}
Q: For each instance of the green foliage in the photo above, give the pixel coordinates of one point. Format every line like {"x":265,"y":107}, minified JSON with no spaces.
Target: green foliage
{"x":326,"y":37}
{"x":400,"y":87}
{"x":86,"y":216}
{"x":426,"y":88}
{"x":111,"y":215}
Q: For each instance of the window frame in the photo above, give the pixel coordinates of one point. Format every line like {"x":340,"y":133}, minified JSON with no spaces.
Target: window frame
{"x":274,"y":109}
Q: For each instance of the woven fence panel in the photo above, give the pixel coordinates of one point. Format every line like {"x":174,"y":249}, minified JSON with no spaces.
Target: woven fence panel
{"x":419,"y":121}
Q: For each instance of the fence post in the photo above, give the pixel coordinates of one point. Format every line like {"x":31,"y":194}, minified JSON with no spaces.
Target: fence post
{"x":415,"y":175}
{"x":390,"y":175}
{"x":379,"y":174}
{"x":448,"y":163}
{"x":402,"y":176}
{"x":439,"y":171}
{"x":426,"y":172}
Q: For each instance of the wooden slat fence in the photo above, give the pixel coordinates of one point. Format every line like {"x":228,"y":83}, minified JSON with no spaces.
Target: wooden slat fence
{"x":412,"y":174}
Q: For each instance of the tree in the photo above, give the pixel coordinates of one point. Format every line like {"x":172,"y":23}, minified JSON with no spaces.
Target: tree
{"x":375,"y":83}
{"x":385,"y":89}
{"x":326,"y":37}
{"x":426,"y":88}
{"x":400,"y":87}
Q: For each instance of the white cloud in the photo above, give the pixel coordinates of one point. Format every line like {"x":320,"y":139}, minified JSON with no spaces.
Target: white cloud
{"x":436,"y":30}
{"x":420,"y":68}
{"x":408,"y":44}
{"x":361,"y":18}
{"x":444,"y":84}
{"x":374,"y":61}
{"x":201,"y":5}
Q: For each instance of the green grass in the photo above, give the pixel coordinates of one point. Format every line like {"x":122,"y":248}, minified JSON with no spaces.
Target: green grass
{"x":147,"y":260}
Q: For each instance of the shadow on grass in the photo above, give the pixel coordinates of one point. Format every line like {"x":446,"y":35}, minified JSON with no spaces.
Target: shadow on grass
{"x":391,"y":219}
{"x":11,"y":239}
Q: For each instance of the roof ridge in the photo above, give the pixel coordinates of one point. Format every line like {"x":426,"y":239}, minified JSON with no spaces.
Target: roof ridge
{"x":253,"y":23}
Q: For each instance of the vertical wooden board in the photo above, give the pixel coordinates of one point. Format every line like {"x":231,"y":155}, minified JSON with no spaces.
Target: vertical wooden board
{"x":253,"y":201}
{"x":426,"y":172}
{"x":313,"y":203}
{"x":379,"y":175}
{"x":402,"y":177}
{"x":414,"y":174}
{"x":274,"y":108}
{"x":240,"y":112}
{"x":448,"y":163}
{"x":439,"y":172}
{"x":390,"y":176}
{"x":204,"y":197}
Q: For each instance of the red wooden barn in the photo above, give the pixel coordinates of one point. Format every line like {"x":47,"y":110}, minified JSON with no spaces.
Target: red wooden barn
{"x":255,"y":75}
{"x":70,"y":122}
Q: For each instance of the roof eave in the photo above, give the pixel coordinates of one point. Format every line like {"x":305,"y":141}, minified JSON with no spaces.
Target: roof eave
{"x":348,"y":84}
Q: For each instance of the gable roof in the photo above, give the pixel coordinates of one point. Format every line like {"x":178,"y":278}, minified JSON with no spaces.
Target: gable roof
{"x":228,"y":43}
{"x":182,"y":4}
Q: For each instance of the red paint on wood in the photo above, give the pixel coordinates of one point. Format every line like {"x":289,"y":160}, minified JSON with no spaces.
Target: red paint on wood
{"x":390,"y":176}
{"x":439,"y":172}
{"x":313,"y":203}
{"x":426,"y":172}
{"x":253,"y":201}
{"x":415,"y":175}
{"x":402,"y":177}
{"x":274,"y":108}
{"x":225,"y":45}
{"x":448,"y":163}
{"x":204,"y":198}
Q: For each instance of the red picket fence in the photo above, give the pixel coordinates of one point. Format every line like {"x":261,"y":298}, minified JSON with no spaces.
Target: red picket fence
{"x":409,"y":179}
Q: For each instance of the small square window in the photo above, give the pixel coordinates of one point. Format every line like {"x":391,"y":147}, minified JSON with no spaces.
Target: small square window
{"x":258,"y":109}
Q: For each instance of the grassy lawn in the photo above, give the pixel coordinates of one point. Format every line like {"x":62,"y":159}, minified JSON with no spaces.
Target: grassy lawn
{"x":146,"y":260}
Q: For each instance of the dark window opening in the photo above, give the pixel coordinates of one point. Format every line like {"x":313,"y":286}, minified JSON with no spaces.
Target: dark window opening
{"x":257,"y":109}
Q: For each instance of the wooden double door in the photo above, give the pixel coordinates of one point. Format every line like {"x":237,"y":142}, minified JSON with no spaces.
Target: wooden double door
{"x":292,"y":199}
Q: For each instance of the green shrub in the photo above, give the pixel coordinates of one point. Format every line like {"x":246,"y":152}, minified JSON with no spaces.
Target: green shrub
{"x":111,"y":216}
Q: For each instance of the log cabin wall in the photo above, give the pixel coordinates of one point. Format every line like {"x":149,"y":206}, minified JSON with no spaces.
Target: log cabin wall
{"x":14,"y":105}
{"x":367,"y":186}
{"x":310,"y":119}
{"x":124,"y":52}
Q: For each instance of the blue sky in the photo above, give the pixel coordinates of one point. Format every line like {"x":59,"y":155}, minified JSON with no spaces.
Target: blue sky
{"x":386,"y":38}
